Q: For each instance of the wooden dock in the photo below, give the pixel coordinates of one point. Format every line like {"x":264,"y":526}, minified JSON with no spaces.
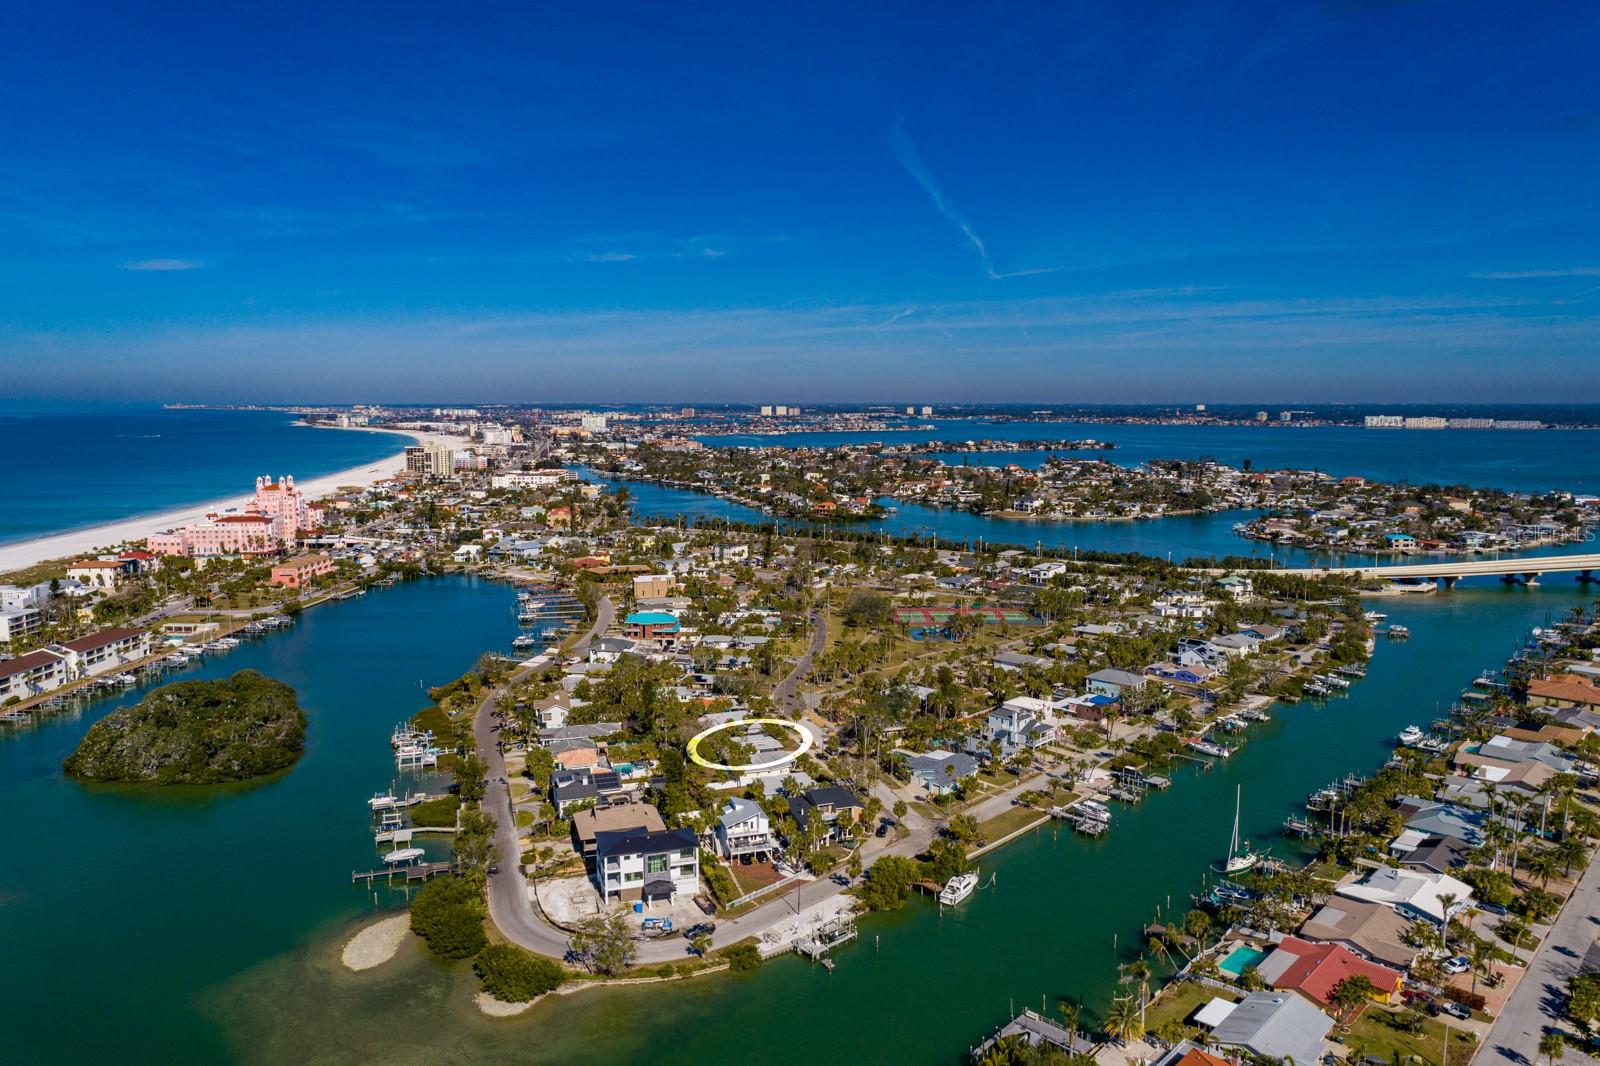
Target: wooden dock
{"x":1035,"y":1029}
{"x":419,"y":871}
{"x":826,"y":937}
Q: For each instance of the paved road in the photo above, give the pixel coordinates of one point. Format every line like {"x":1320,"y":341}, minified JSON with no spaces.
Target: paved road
{"x":786,"y":694}
{"x":509,"y":906}
{"x":1535,"y":1004}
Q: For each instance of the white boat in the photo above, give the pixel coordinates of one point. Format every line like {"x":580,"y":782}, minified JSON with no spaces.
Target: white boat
{"x":1375,"y":616}
{"x":403,"y":856}
{"x":1094,"y":809}
{"x":382,"y":801}
{"x":1411,"y":736}
{"x":1206,"y":747}
{"x":525,"y":642}
{"x":1398,"y":632}
{"x":1238,"y":861}
{"x":958,"y":888}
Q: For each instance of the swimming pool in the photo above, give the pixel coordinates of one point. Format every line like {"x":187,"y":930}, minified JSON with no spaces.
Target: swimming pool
{"x":1240,"y":959}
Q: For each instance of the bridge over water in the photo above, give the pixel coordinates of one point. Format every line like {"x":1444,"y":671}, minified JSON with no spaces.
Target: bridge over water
{"x":1527,"y":569}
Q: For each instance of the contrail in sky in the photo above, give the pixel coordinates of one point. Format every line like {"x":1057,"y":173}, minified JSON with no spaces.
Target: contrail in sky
{"x":906,"y":153}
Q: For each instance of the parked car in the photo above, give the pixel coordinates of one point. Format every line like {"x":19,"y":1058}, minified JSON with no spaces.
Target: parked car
{"x":882,"y":830}
{"x":1416,"y":995}
{"x":706,"y":928}
{"x":1459,"y":964}
{"x":1491,"y":908}
{"x":1458,"y":1011}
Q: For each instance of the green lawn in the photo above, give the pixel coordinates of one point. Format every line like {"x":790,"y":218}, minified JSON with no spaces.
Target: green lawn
{"x":1374,"y":1034}
{"x":1000,"y":825}
{"x":1180,"y":1000}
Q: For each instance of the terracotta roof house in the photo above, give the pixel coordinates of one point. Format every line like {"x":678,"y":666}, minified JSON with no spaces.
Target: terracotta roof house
{"x":1315,"y":970}
{"x":1564,"y":690}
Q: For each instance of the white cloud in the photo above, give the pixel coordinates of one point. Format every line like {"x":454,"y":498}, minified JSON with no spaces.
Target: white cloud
{"x":1520,"y":275}
{"x":160,"y":265}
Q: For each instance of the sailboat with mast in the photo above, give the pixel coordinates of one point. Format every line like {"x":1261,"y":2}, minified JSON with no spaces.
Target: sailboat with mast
{"x":1238,"y":861}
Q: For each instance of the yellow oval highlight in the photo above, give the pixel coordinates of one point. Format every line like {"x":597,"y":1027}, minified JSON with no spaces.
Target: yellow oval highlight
{"x":806,"y":740}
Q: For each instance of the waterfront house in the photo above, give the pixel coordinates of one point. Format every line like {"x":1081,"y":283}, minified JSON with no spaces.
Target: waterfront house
{"x":1412,"y":893}
{"x":298,"y":572}
{"x":941,"y":772}
{"x":1315,"y":970}
{"x":743,"y":829}
{"x":617,"y":818}
{"x":835,"y":806}
{"x":102,"y":652}
{"x":32,"y":674}
{"x":1115,"y":683}
{"x":1371,"y":930}
{"x":1275,"y":1025}
{"x":1564,"y":690}
{"x":1429,"y":818}
{"x":652,"y":865}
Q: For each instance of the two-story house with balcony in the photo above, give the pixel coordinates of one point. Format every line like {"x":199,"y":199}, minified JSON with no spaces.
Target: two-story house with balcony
{"x":743,"y":829}
{"x":647,"y":864}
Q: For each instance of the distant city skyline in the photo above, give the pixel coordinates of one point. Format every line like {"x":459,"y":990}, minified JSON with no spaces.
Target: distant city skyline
{"x":1320,"y":202}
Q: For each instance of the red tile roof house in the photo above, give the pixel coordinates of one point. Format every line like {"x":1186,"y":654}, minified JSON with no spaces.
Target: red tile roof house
{"x":1315,"y":970}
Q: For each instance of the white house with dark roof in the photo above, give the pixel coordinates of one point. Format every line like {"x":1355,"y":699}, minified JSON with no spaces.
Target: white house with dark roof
{"x":647,"y":864}
{"x":743,"y":828}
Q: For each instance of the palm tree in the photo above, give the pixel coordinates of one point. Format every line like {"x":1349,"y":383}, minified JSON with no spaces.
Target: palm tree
{"x":1069,"y":1015}
{"x":1446,"y":901}
{"x":1543,"y":866}
{"x":1481,"y":954}
{"x":1570,"y":852}
{"x":1352,"y":992}
{"x":1124,"y":1020}
{"x":1552,"y":1045}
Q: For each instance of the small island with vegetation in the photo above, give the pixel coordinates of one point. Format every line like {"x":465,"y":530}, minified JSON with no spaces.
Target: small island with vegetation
{"x":196,"y":733}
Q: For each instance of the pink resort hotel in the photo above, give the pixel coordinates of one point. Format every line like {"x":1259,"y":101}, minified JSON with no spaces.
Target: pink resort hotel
{"x":275,"y":518}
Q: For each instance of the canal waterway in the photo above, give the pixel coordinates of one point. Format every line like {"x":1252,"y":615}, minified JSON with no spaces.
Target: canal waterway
{"x":1518,"y":460}
{"x":205,"y":925}
{"x":1175,"y":537}
{"x":920,"y":986}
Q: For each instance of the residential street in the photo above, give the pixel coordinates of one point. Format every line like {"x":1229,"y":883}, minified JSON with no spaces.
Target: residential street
{"x":1536,"y":1003}
{"x":786,"y":694}
{"x":509,"y":907}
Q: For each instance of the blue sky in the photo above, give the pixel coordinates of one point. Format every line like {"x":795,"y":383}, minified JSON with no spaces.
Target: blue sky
{"x":1054,"y":202}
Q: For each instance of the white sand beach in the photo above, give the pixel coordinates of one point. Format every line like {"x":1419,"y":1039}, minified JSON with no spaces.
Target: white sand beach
{"x":377,"y":943}
{"x":86,"y":541}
